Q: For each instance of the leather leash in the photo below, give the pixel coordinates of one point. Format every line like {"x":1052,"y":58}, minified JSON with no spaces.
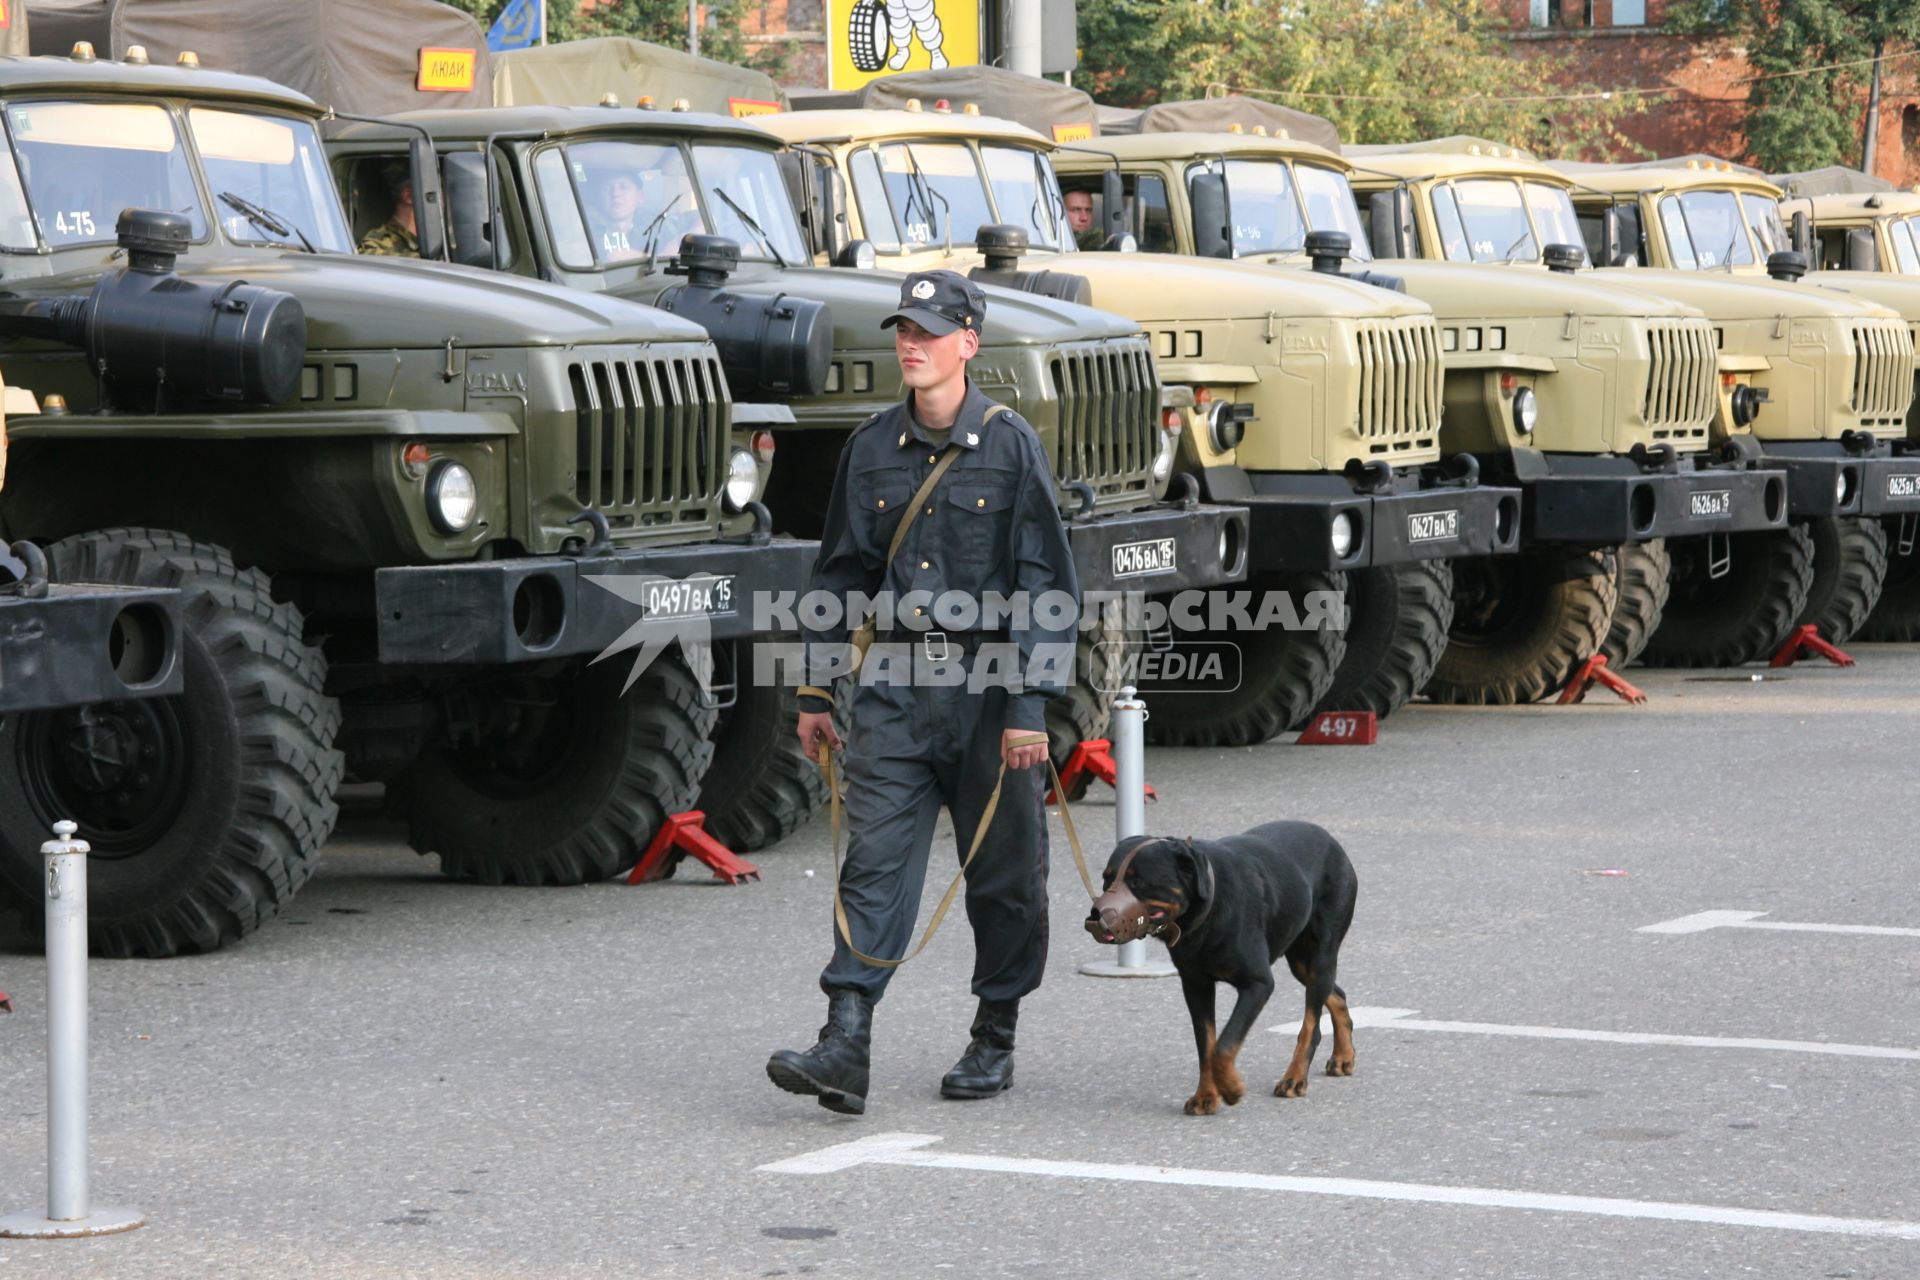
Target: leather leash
{"x":979,"y":837}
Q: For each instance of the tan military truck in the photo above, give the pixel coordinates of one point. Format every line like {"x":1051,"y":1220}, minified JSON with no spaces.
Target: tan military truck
{"x":1848,"y":222}
{"x":1805,"y":376}
{"x":1593,"y":398}
{"x":1318,"y":397}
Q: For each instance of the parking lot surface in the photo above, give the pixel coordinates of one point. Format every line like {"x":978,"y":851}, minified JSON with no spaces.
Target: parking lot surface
{"x":1565,"y":1066}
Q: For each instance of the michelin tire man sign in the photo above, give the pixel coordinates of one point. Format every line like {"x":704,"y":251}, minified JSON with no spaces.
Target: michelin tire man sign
{"x":873,"y":38}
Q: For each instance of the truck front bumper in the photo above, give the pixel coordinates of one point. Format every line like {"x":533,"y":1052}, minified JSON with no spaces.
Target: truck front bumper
{"x":1826,"y":478}
{"x":1607,"y":500}
{"x":1162,"y":549}
{"x":1293,"y":521}
{"x":503,"y":611}
{"x":81,"y":643}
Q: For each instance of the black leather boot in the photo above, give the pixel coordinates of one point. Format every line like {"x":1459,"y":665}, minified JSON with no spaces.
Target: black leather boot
{"x":835,"y":1069}
{"x":986,"y":1068}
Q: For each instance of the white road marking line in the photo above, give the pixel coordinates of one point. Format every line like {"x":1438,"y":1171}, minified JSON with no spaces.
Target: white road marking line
{"x":1403,"y":1020}
{"x":1701,"y":921}
{"x":907,"y":1149}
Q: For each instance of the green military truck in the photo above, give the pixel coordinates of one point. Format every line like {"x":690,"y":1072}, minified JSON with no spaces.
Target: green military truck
{"x":405,"y":506}
{"x":1848,"y":222}
{"x":1594,"y":399}
{"x":1320,"y":397}
{"x":1083,"y":378}
{"x":1784,"y":360}
{"x":1697,"y":217}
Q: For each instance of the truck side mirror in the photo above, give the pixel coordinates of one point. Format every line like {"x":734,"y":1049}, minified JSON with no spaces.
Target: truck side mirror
{"x":1390,"y":223}
{"x":1802,"y":233}
{"x":467,"y":209}
{"x":1212,"y":215}
{"x":1622,"y":236}
{"x":1113,"y":206}
{"x":1861,"y":255}
{"x":429,"y":201}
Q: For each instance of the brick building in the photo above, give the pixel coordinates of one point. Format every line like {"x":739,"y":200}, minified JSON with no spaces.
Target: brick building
{"x":1620,"y":44}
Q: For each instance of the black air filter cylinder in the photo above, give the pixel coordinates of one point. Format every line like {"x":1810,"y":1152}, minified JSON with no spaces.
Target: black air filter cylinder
{"x":158,"y":340}
{"x":770,"y":344}
{"x":1001,"y":244}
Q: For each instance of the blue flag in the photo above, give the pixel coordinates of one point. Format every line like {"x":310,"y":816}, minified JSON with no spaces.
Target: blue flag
{"x":520,"y":25}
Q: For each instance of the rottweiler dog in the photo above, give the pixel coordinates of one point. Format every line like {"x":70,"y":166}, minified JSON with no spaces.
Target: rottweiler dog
{"x":1227,"y":909}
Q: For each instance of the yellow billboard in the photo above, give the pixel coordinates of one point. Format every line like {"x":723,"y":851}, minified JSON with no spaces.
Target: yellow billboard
{"x":873,"y":38}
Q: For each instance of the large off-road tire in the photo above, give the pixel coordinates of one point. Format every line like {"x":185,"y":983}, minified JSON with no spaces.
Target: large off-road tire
{"x":205,"y":811}
{"x":568,"y":779}
{"x":759,"y":789}
{"x":1744,"y":615}
{"x":1642,"y":578}
{"x":1849,"y":574}
{"x":1397,"y":620}
{"x":1896,"y":617}
{"x":1086,"y":709}
{"x":1521,"y":624}
{"x":1283,"y":676}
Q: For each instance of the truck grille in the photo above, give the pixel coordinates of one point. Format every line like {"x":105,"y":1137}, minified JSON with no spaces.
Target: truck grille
{"x":1399,"y":383}
{"x":650,"y":437}
{"x":1109,"y":415}
{"x":1682,"y":395}
{"x":1882,"y":372}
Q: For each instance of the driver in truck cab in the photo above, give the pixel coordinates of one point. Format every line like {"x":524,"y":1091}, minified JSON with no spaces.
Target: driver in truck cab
{"x":398,"y":236}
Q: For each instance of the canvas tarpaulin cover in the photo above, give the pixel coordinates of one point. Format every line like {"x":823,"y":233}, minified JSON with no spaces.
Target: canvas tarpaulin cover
{"x":581,"y":72}
{"x":1217,"y":115}
{"x":1834,"y":180}
{"x":1061,"y":113}
{"x":359,"y":56}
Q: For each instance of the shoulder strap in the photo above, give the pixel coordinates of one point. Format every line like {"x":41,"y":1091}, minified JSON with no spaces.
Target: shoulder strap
{"x":920,"y":499}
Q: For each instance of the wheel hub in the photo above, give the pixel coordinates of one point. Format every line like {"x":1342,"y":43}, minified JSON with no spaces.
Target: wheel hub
{"x":118,"y":769}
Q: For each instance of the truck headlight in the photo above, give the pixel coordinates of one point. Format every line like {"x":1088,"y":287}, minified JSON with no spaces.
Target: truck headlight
{"x":1526,"y":410}
{"x":452,"y":497}
{"x":1226,"y":427}
{"x":1342,"y":534}
{"x":743,"y":477}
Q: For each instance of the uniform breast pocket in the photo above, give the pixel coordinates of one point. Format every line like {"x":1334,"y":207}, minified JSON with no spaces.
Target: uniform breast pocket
{"x":981,"y":505}
{"x":880,"y":500}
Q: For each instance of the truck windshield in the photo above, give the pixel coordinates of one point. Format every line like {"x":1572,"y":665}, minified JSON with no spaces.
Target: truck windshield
{"x":1763,"y":215}
{"x":1553,"y":214}
{"x":1330,"y":206}
{"x":1028,"y":195}
{"x":1267,"y":217}
{"x":1906,"y":244}
{"x":269,"y":175}
{"x":1714,"y":225}
{"x":1495,"y":217}
{"x":748,"y":202}
{"x":84,"y":162}
{"x":637,"y":201}
{"x":928,"y":185}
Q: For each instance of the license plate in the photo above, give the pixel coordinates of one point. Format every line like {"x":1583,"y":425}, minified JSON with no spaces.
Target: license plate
{"x":1709,"y":504}
{"x":1138,"y":559}
{"x":1433,"y":526}
{"x":704,"y":597}
{"x":1903,"y":486}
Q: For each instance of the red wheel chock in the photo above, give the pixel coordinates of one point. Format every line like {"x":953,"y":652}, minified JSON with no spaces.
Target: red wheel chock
{"x":1595,"y":668}
{"x":684,"y":833}
{"x":1093,"y":757}
{"x":6,"y":1005}
{"x":1806,"y":640}
{"x":1340,"y":729}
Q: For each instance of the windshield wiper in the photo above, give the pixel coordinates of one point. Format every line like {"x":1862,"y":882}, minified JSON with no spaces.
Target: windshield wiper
{"x":267,"y":220}
{"x":1525,"y":236}
{"x":766,"y":241}
{"x":652,"y":233}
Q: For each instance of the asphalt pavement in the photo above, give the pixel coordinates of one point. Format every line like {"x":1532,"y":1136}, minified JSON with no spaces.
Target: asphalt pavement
{"x":404,"y":1076}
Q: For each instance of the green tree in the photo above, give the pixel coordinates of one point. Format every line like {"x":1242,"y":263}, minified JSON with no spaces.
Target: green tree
{"x":1381,"y":70}
{"x":1802,"y":110}
{"x":659,"y":21}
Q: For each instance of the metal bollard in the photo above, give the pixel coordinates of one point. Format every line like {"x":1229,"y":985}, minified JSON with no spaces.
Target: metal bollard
{"x":1128,"y":733}
{"x":68,"y":1213}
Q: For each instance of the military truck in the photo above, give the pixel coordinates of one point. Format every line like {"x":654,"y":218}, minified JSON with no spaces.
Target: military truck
{"x":1084,"y":379}
{"x":1592,"y":398}
{"x":1321,"y":396}
{"x":1848,"y":222}
{"x":68,"y":645}
{"x":405,"y":506}
{"x":1786,"y":362}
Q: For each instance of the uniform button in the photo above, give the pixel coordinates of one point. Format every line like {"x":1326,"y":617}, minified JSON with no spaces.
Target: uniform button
{"x":929,"y":510}
{"x":882,"y":502}
{"x":917,"y":612}
{"x":931,"y":458}
{"x":926,"y":564}
{"x":979,"y":502}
